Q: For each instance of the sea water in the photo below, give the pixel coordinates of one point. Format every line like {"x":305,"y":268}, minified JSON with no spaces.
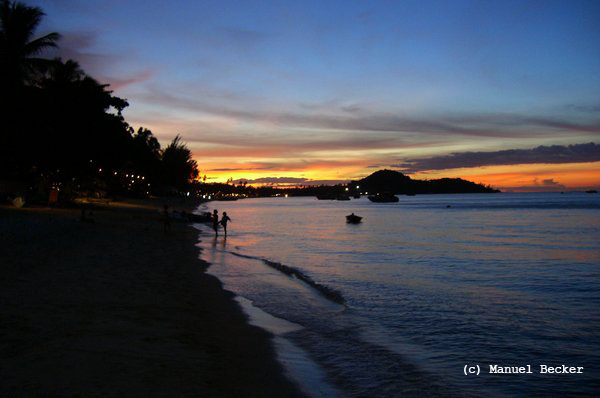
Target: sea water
{"x":425,"y":289}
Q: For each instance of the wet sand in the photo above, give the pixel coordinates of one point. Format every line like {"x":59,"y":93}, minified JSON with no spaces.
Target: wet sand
{"x":119,"y":308}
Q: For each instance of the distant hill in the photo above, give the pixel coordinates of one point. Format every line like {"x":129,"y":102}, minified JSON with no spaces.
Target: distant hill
{"x":398,"y":183}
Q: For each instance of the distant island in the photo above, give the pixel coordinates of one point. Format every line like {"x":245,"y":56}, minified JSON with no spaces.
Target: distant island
{"x":382,"y":181}
{"x":397,"y":183}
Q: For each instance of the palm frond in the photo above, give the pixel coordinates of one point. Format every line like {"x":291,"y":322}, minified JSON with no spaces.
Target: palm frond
{"x":41,"y":43}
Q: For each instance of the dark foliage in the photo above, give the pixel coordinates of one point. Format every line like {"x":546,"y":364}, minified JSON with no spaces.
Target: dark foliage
{"x":60,"y":127}
{"x":178,"y":167}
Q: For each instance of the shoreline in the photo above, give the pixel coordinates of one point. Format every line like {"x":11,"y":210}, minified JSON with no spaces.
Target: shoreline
{"x":307,"y":374}
{"x":118,"y":307}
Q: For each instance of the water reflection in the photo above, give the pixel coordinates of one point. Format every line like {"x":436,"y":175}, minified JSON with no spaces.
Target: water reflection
{"x":482,"y":281}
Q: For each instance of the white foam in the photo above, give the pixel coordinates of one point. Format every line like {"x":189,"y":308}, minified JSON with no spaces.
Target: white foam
{"x":296,"y":362}
{"x":264,"y":320}
{"x":300,"y":368}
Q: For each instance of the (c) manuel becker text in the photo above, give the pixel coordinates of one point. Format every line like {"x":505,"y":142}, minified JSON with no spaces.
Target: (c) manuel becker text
{"x":560,"y":369}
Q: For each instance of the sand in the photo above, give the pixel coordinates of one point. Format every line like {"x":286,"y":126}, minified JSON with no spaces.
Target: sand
{"x":119,"y":308}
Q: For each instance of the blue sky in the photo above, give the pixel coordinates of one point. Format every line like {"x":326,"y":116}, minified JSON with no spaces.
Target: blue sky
{"x":343,"y":85}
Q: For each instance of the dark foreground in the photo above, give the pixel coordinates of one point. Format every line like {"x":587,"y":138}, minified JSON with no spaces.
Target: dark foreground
{"x":118,"y":308}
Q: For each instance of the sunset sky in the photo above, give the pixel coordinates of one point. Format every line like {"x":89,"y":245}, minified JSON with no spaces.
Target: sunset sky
{"x":505,"y":93}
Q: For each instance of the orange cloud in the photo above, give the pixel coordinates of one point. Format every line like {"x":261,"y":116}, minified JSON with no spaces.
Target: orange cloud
{"x":528,"y":177}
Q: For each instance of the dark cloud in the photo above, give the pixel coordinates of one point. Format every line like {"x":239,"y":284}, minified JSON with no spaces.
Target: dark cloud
{"x":290,"y":181}
{"x":242,"y":169}
{"x":485,"y":126}
{"x":555,"y":154}
{"x":275,"y":180}
{"x":78,"y":46}
{"x":551,"y":183}
{"x":139,"y":77}
{"x":277,"y":144}
{"x":546,"y":185}
{"x":584,"y":108}
{"x":360,"y":119}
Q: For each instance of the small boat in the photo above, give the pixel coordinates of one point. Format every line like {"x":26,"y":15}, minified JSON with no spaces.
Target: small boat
{"x":356,"y":196}
{"x":353,"y":219}
{"x":342,"y":197}
{"x":326,"y":196}
{"x":204,"y":217}
{"x":591,"y":191}
{"x":383,"y":198}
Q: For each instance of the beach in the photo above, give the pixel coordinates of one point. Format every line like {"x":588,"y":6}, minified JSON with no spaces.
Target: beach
{"x":118,"y":307}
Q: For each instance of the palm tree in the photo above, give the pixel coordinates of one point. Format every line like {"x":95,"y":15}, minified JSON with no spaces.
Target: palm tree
{"x":179,"y":169}
{"x":18,"y":49}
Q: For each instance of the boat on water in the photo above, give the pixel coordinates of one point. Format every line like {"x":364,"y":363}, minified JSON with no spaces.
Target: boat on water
{"x":342,"y":196}
{"x":191,"y":217}
{"x":353,"y":219}
{"x":326,"y":196}
{"x":383,"y":198}
{"x":591,"y":191}
{"x":356,"y":196}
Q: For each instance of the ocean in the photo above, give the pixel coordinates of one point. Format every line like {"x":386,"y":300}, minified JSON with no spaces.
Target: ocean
{"x":414,"y":298}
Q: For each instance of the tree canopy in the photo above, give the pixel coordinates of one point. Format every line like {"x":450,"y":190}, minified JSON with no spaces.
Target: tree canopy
{"x":61,"y":126}
{"x":178,"y":166}
{"x":19,"y":63}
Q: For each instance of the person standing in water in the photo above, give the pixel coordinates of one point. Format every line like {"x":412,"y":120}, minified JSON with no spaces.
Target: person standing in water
{"x":215,"y":221}
{"x":224,"y":221}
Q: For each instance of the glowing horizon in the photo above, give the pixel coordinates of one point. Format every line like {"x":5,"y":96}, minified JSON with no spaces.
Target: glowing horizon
{"x":509,"y":178}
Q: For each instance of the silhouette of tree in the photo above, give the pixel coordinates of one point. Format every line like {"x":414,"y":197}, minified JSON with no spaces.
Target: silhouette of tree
{"x":145,"y":156}
{"x":59,"y":125}
{"x":61,"y":75}
{"x":18,"y":49}
{"x":76,"y":122}
{"x":179,"y":169}
{"x":19,"y":71}
{"x":147,"y":141}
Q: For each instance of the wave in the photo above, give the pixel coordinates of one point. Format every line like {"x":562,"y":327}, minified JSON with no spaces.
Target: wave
{"x":326,"y":291}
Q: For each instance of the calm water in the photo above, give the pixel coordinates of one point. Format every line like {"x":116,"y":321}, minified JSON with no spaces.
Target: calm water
{"x":507,"y":279}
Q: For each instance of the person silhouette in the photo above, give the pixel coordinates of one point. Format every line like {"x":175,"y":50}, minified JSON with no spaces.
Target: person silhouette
{"x":224,"y":220}
{"x":215,"y":221}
